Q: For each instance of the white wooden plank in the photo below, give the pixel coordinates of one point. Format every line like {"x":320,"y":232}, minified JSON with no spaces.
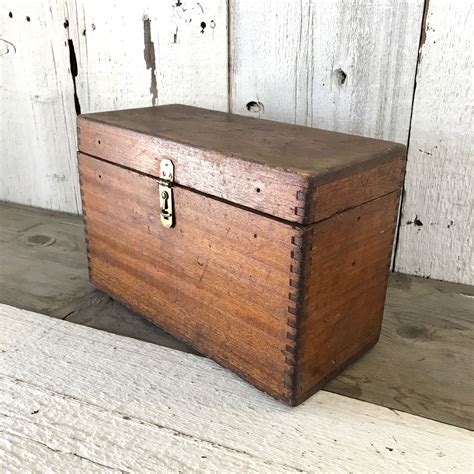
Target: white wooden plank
{"x":71,"y":394}
{"x":340,"y":65}
{"x":187,"y":61}
{"x":37,"y":141}
{"x":78,"y":431}
{"x":437,"y":225}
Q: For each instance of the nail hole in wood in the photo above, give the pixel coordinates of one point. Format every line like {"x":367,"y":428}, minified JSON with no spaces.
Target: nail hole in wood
{"x":255,"y":107}
{"x":258,"y":190}
{"x":255,"y":236}
{"x":340,"y":76}
{"x":98,"y":141}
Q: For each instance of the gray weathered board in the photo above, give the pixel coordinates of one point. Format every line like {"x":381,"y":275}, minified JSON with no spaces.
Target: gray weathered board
{"x":334,"y":64}
{"x":74,"y":399}
{"x":337,"y":64}
{"x":437,"y":224}
{"x":62,"y":57}
{"x":423,"y":363}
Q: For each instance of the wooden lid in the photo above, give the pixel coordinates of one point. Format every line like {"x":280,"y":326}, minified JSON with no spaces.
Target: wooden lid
{"x":291,"y":172}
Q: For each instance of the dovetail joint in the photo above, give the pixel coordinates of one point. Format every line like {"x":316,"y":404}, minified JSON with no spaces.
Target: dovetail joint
{"x":301,"y":195}
{"x":299,"y":260}
{"x":84,"y":218}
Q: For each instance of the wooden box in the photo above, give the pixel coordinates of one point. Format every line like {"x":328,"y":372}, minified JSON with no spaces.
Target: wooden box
{"x":263,"y":245}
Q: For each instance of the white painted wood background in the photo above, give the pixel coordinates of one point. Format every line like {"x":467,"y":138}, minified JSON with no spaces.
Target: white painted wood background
{"x":336,"y":64}
{"x":75,"y":399}
{"x":437,"y":223}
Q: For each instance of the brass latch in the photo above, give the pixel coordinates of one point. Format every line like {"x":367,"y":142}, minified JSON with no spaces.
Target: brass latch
{"x":166,"y":193}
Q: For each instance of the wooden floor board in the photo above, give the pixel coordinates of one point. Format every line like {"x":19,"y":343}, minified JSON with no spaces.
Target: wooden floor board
{"x":423,"y":363}
{"x":75,"y":399}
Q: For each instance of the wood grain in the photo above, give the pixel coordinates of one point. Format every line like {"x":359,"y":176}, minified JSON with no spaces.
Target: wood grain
{"x":37,"y":124}
{"x":250,"y":305}
{"x":43,"y":267}
{"x":218,"y":280}
{"x":204,"y":170}
{"x":339,"y":65}
{"x":44,"y":44}
{"x":42,"y":258}
{"x":437,"y":225}
{"x":423,"y":362}
{"x":427,"y":324}
{"x":354,"y":190}
{"x":271,"y":167}
{"x":246,"y":305}
{"x":182,"y":63}
{"x":109,"y":402}
{"x":344,"y":285}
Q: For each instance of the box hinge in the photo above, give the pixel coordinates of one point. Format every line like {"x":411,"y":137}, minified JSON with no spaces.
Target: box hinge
{"x":166,"y":180}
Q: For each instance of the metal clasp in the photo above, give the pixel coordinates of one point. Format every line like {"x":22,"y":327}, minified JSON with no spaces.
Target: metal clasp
{"x":166,"y":193}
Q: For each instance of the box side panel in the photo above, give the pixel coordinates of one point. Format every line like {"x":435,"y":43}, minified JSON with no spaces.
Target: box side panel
{"x":219,"y":280}
{"x":344,"y":290}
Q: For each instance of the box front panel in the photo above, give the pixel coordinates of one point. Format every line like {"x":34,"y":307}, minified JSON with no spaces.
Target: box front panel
{"x":219,"y":280}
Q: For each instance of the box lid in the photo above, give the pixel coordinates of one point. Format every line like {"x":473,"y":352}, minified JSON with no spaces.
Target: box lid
{"x":291,"y":172}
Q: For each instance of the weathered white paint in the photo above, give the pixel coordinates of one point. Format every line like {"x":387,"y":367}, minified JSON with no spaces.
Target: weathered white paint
{"x":292,"y":57}
{"x":190,"y":61}
{"x":73,"y":398}
{"x":37,"y":141}
{"x":440,"y":174}
{"x":38,"y":132}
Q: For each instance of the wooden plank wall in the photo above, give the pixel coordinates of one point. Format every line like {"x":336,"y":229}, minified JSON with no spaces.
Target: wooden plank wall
{"x":341,"y":65}
{"x":334,"y":64}
{"x":437,"y":224}
{"x":37,"y":155}
{"x":59,"y":57}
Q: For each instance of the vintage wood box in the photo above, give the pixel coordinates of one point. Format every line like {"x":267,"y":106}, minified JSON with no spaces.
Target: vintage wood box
{"x":265,"y":246}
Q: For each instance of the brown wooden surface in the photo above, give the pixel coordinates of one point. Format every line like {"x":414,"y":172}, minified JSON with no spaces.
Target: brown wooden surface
{"x":354,"y":190}
{"x":267,"y":166}
{"x":284,"y":329}
{"x":344,"y":283}
{"x":423,"y":363}
{"x":218,"y":280}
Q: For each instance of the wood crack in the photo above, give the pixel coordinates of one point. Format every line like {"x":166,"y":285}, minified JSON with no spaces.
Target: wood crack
{"x":59,"y":451}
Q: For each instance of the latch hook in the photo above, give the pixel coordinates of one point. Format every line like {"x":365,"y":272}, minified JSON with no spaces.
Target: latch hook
{"x":166,"y":193}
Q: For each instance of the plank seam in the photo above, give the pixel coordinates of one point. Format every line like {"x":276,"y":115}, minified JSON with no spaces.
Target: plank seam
{"x":421,"y":42}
